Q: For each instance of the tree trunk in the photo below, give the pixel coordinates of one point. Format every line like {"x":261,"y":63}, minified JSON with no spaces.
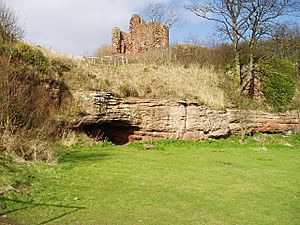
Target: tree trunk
{"x":237,"y":66}
{"x":237,"y":69}
{"x":251,"y":91}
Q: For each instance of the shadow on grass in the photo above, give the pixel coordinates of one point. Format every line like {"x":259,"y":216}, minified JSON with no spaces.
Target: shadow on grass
{"x":29,"y":204}
{"x":83,"y":157}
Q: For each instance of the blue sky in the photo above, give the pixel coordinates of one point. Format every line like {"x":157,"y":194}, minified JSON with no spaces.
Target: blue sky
{"x":79,"y":27}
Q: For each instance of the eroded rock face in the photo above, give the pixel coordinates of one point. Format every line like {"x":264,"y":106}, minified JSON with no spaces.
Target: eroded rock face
{"x":141,"y":37}
{"x":166,"y":119}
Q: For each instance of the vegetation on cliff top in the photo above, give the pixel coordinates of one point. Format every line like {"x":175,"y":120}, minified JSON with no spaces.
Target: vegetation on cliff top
{"x":278,"y":82}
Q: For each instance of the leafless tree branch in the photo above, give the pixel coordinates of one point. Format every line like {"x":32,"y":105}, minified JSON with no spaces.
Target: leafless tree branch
{"x":159,"y":12}
{"x":10,"y":30}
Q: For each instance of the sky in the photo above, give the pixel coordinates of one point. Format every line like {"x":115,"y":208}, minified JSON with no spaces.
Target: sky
{"x":79,"y":27}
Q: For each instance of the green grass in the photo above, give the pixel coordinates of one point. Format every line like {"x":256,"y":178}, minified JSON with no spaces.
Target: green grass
{"x":181,"y":182}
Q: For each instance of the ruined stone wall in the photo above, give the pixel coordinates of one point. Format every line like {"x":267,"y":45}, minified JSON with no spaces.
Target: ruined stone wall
{"x":166,"y":119}
{"x":141,"y":37}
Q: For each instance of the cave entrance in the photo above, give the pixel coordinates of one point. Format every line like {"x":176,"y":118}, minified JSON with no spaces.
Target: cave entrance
{"x":117,"y":132}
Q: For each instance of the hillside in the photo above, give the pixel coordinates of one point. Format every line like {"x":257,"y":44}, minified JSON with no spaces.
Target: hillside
{"x":44,"y":92}
{"x":146,"y":78}
{"x":145,"y":131}
{"x":150,"y":81}
{"x":39,"y":101}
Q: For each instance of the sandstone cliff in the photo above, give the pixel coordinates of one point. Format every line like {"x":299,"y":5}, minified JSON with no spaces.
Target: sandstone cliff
{"x":124,"y":120}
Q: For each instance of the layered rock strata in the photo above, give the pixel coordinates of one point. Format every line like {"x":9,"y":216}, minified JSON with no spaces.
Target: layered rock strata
{"x":137,"y":119}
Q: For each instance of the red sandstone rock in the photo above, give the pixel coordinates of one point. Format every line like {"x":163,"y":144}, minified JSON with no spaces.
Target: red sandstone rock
{"x":167,"y":119}
{"x":142,"y":37}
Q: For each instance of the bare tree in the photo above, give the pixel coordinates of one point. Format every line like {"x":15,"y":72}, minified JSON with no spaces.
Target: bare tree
{"x":261,"y":16}
{"x":159,"y":12}
{"x":231,"y":20}
{"x":286,"y":41}
{"x":192,"y":39}
{"x":243,"y":20}
{"x":10,"y":30}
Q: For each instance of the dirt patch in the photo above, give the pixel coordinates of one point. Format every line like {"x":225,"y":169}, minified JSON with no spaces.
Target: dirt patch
{"x":7,"y":220}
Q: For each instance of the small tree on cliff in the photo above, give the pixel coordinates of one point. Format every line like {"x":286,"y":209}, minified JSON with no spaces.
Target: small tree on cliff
{"x":243,"y":20}
{"x":228,"y":14}
{"x":159,"y":12}
{"x":260,"y":17}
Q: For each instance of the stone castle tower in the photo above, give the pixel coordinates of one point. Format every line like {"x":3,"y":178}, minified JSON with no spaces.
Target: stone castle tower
{"x":141,"y":37}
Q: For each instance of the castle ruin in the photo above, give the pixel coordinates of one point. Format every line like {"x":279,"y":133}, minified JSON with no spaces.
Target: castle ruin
{"x":141,"y":37}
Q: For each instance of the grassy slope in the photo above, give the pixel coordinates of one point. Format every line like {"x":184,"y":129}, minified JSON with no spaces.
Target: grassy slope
{"x":150,"y":81}
{"x":180,"y":183}
{"x":145,"y":78}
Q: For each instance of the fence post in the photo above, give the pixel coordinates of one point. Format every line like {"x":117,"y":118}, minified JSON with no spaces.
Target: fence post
{"x":104,"y":60}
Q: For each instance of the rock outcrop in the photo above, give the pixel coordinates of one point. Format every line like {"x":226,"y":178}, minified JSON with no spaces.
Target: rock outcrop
{"x":141,"y":37}
{"x":124,"y":120}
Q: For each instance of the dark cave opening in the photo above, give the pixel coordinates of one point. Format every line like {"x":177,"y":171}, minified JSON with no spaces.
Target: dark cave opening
{"x":117,"y":132}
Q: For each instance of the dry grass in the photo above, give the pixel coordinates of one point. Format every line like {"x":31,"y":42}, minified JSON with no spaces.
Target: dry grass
{"x":26,"y":112}
{"x":150,"y":81}
{"x":27,"y":144}
{"x":104,"y":50}
{"x":157,"y":75}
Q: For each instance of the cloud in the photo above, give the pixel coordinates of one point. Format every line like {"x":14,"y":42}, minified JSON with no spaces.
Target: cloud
{"x":76,"y":27}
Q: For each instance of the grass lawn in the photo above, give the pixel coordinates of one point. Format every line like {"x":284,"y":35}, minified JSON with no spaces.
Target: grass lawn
{"x":181,"y":182}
